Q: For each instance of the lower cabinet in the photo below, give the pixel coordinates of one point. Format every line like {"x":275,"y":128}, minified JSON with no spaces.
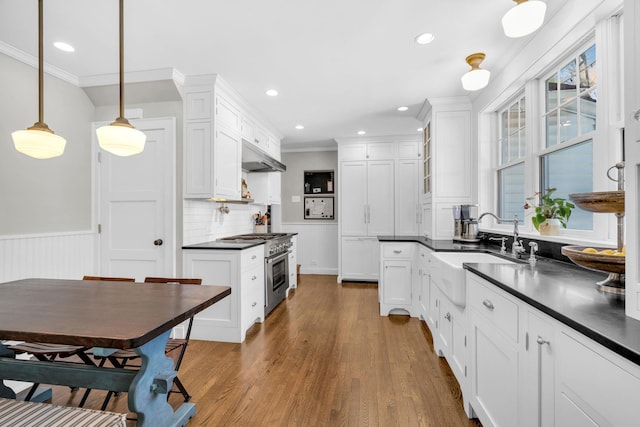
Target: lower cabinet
{"x":528,"y":369}
{"x":293,"y":264}
{"x":395,"y":288}
{"x":360,"y":258}
{"x":424,"y":281}
{"x":229,"y":319}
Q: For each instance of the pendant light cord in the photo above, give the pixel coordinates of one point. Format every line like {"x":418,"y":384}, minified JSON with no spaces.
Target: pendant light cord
{"x":40,"y":65}
{"x":121,"y":58}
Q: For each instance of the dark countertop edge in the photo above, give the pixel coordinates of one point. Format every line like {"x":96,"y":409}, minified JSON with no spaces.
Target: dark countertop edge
{"x":450,"y":246}
{"x":219,"y":245}
{"x":607,"y":342}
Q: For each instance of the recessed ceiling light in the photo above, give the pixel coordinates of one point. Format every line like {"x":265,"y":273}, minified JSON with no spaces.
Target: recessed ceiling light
{"x":361,"y":132}
{"x":419,"y":129}
{"x":403,"y":108}
{"x":299,"y":127}
{"x":66,"y":47}
{"x":424,"y":38}
{"x":272,"y":92}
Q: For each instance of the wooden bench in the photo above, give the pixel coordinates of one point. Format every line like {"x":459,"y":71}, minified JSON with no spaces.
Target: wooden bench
{"x":18,"y":413}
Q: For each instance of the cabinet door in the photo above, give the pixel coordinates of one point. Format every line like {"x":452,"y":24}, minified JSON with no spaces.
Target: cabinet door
{"x":248,"y":129}
{"x":458,"y":344}
{"x":380,"y":197}
{"x":409,"y":150}
{"x":380,"y":151}
{"x":425,"y":279}
{"x":228,"y":115}
{"x":434,"y":309}
{"x":538,"y":399}
{"x":273,"y":183}
{"x":353,"y":196}
{"x":445,"y":324}
{"x":360,"y":258}
{"x":407,"y":201}
{"x":396,"y":283}
{"x":227,"y":160}
{"x":197,"y":160}
{"x":494,"y":382}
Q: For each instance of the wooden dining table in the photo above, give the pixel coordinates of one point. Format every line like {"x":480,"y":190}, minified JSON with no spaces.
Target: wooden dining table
{"x":106,"y":315}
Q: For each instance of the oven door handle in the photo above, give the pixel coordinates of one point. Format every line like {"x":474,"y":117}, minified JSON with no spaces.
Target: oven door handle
{"x":276,"y":258}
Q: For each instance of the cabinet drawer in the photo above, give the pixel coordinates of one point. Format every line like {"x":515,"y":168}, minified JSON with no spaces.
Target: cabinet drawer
{"x":397,"y":250}
{"x":252,"y":257}
{"x":493,"y":305}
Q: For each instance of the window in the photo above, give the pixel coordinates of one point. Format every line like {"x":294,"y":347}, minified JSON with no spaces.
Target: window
{"x":513,"y":147}
{"x":566,"y":161}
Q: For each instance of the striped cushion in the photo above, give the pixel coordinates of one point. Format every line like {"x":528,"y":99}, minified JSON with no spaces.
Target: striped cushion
{"x":17,"y":413}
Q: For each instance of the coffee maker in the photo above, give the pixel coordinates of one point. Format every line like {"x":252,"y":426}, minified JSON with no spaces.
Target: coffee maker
{"x":465,"y":223}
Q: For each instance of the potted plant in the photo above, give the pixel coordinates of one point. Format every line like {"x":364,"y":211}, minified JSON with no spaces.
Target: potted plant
{"x":550,"y":212}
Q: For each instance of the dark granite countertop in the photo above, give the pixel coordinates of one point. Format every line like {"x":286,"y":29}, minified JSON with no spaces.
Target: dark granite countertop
{"x":563,"y":291}
{"x":226,"y":244}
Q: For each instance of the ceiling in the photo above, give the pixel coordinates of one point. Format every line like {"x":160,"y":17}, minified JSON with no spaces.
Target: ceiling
{"x":339,"y":66}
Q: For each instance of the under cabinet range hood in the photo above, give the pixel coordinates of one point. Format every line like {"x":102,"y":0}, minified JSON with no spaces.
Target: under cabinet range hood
{"x":255,"y":160}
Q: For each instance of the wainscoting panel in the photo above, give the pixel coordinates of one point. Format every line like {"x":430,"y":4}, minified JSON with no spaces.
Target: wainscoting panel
{"x":317,"y":246}
{"x":56,"y":256}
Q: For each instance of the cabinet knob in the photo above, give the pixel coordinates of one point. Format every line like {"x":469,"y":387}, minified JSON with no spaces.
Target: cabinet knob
{"x":397,"y":251}
{"x":448,"y":316}
{"x":253,"y":257}
{"x":158,"y":242}
{"x":488,"y":304}
{"x":253,"y":277}
{"x":541,"y":341}
{"x":254,"y":304}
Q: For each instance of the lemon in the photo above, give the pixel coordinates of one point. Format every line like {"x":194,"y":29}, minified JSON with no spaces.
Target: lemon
{"x":607,"y":252}
{"x":590,"y":250}
{"x":618,"y":253}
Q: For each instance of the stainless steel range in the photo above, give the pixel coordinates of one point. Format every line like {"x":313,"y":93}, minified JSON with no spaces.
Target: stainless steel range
{"x":276,"y":265}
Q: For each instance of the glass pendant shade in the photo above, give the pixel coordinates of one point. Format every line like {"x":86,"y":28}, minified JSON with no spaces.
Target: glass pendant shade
{"x":476,"y":78}
{"x":38,"y":142}
{"x":524,"y":18}
{"x":120,"y":138}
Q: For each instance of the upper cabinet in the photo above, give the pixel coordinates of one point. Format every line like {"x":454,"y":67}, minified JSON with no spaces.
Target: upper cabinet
{"x":215,"y":123}
{"x":448,"y":171}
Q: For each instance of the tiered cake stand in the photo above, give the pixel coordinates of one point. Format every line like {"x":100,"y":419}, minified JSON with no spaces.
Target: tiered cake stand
{"x":609,"y":260}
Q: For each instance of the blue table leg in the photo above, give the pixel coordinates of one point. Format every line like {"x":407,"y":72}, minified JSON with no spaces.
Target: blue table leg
{"x":5,"y":391}
{"x":148,"y":390}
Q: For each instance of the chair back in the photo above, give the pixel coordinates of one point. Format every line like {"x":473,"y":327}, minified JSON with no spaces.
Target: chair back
{"x":181,"y":281}
{"x":109,"y":279}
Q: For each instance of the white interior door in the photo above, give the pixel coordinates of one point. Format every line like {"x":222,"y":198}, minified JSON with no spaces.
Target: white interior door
{"x":137,"y":206}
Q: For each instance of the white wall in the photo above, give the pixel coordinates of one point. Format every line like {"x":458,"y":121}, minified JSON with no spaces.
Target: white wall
{"x":44,"y":196}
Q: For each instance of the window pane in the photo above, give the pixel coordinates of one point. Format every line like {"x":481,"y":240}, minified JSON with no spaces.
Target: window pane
{"x":570,"y":170}
{"x":552,"y":129}
{"x":588,"y":112}
{"x":568,"y":82}
{"x":523,"y":142}
{"x":513,"y":147}
{"x":504,"y":148}
{"x":523,"y":113}
{"x":587,"y":61}
{"x":514,"y":113}
{"x":511,"y":191}
{"x":568,"y":122}
{"x":552,"y":92}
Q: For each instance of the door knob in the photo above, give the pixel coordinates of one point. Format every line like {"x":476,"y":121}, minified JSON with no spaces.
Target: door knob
{"x":158,"y":242}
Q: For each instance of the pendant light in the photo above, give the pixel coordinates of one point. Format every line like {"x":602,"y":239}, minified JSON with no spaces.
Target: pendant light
{"x":524,"y":18}
{"x":476,"y":78}
{"x":39,"y":141}
{"x":120,"y":137}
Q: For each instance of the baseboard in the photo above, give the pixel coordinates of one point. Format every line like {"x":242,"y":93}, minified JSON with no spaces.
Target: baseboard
{"x":315,"y":270}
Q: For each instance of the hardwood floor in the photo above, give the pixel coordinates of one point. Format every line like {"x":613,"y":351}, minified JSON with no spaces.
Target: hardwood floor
{"x":324,"y":357}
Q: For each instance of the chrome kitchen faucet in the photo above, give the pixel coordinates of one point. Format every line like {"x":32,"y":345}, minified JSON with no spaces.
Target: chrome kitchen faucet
{"x":517,"y":247}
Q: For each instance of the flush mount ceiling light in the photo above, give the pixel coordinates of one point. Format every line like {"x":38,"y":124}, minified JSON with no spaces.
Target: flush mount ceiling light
{"x":299,"y":127}
{"x":424,"y":38}
{"x":120,"y":137}
{"x":361,"y":132}
{"x":476,"y":78}
{"x":402,"y":108}
{"x":524,"y":18}
{"x":272,"y":92}
{"x":39,"y":141}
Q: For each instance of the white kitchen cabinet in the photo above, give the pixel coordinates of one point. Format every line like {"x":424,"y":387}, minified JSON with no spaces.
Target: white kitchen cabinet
{"x":593,"y":386}
{"x":448,"y":171}
{"x":212,"y":140}
{"x":360,"y":258}
{"x":495,"y":363}
{"x":265,"y":187}
{"x":424,"y":261}
{"x":367,"y":192}
{"x":243,"y":270}
{"x":273,"y":147}
{"x":293,"y":264}
{"x":408,"y":209}
{"x":366,"y":200}
{"x":367,"y":151}
{"x":538,"y":367}
{"x":395,"y":290}
{"x":408,"y":150}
